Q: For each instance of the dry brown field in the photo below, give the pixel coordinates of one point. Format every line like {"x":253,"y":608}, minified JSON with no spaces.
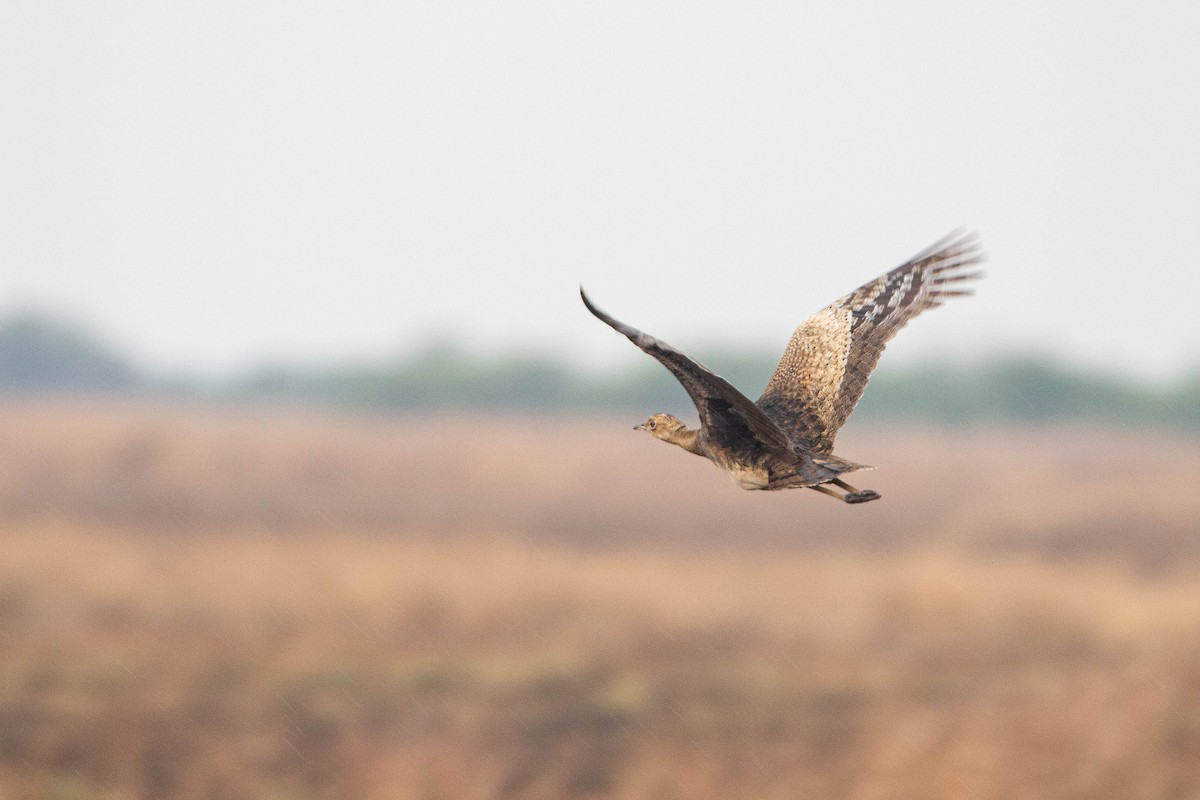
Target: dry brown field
{"x":283,"y":604}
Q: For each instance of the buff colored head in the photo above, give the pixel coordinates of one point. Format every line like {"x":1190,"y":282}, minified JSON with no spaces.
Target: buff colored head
{"x":661,"y":426}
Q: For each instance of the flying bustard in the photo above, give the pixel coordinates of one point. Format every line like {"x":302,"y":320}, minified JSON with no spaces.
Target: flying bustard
{"x":785,"y":439}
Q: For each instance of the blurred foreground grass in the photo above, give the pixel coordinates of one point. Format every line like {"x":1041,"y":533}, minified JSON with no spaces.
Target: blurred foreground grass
{"x":201,"y":604}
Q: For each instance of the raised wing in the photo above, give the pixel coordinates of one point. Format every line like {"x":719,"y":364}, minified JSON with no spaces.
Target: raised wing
{"x":727,"y":417}
{"x":830,"y":356}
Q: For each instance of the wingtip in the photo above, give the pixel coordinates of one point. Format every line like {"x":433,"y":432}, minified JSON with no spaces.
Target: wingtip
{"x":587,"y":301}
{"x":951,"y":255}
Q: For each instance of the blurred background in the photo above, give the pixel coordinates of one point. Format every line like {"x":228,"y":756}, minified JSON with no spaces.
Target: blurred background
{"x":317,"y":480}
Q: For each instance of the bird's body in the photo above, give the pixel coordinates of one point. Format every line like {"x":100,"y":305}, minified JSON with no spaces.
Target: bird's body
{"x":750,"y":465}
{"x":785,"y":439}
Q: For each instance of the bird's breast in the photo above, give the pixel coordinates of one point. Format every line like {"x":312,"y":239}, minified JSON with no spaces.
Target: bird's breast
{"x":749,"y":477}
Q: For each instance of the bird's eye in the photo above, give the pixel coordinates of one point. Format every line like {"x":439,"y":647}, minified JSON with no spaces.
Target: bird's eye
{"x":651,"y":424}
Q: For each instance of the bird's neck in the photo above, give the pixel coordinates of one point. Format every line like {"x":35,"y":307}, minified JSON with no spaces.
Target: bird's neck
{"x":688,"y":439}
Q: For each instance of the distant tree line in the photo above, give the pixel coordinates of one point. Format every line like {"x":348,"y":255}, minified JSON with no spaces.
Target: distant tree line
{"x":38,"y":355}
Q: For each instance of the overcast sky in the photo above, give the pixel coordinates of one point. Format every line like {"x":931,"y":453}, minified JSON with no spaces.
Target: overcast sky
{"x":210,"y":184}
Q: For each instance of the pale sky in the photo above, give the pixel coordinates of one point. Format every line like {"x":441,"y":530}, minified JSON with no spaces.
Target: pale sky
{"x":210,"y":184}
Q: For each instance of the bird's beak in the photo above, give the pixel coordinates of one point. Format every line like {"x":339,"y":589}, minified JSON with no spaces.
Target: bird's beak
{"x":641,"y":427}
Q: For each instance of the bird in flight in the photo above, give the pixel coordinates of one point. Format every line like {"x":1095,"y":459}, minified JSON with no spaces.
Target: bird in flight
{"x":784,"y":440}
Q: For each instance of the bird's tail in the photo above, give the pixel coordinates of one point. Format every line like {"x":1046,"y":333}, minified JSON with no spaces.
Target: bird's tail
{"x":816,"y":469}
{"x":837,"y":465}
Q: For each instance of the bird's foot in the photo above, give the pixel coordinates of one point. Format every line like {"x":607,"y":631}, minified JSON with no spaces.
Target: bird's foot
{"x":865,"y":496}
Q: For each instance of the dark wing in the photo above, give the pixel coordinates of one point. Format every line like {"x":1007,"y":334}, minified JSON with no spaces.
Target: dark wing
{"x":830,"y":356}
{"x":727,"y":417}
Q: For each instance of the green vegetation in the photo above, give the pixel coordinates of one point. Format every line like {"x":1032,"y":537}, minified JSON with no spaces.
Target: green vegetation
{"x":1019,"y":388}
{"x":37,"y":355}
{"x":1001,"y":389}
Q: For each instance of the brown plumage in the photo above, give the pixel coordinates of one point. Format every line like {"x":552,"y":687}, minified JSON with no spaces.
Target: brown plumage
{"x":785,"y":439}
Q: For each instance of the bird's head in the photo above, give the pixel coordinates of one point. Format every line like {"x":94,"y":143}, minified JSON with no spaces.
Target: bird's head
{"x":661,"y":426}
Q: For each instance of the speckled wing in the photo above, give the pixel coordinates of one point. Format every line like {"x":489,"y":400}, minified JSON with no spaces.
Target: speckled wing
{"x":831,"y":355}
{"x":727,"y":416}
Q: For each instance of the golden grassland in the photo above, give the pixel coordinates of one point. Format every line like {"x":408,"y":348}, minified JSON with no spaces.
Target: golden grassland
{"x":257,"y":603}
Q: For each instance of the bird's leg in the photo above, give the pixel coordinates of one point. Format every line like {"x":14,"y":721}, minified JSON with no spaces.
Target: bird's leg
{"x":826,"y":490}
{"x":853,"y":495}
